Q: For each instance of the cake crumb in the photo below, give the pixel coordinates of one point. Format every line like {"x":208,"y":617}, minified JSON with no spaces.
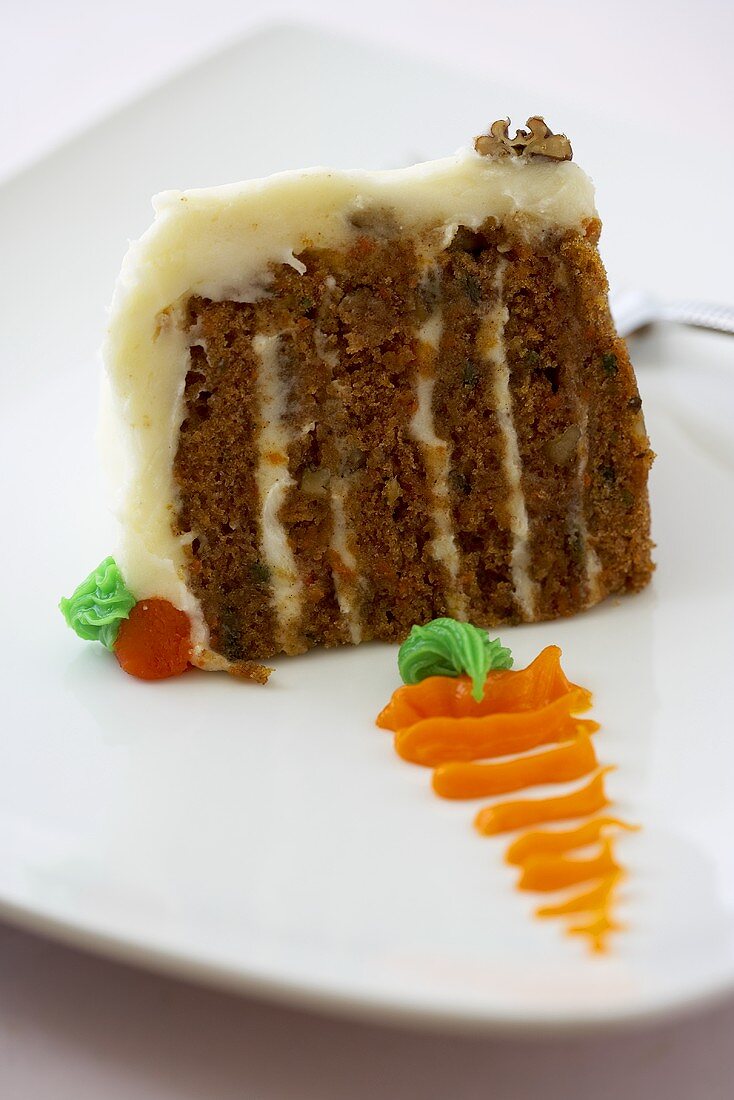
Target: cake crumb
{"x":250,"y":670}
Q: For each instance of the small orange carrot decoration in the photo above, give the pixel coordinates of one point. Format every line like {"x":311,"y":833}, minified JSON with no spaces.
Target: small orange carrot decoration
{"x":155,"y":641}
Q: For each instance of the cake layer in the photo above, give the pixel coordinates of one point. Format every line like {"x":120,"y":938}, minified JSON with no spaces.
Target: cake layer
{"x":351,"y":401}
{"x":408,"y":429}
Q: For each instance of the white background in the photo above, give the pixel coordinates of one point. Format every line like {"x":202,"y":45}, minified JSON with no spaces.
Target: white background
{"x":73,"y":1026}
{"x":64,"y":64}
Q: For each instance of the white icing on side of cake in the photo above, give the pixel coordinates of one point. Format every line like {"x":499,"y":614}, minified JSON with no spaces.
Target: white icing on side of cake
{"x":220,"y":243}
{"x":492,"y":346}
{"x":273,"y":481}
{"x":141,"y":411}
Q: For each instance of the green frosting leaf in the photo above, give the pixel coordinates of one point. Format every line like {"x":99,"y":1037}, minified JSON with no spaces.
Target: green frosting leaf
{"x":99,"y":605}
{"x":445,"y":647}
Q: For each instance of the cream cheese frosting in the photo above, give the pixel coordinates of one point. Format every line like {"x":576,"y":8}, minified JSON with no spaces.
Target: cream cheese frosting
{"x":221,"y":243}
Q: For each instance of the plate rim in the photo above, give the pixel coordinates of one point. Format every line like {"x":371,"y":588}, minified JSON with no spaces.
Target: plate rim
{"x":366,"y":1007}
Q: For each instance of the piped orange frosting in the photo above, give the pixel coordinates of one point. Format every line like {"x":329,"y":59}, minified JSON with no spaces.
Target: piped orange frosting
{"x":439,"y":725}
{"x":505,"y":817}
{"x":559,"y":765}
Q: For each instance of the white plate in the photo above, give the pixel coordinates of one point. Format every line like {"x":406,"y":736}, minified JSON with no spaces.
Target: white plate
{"x":270,"y":839}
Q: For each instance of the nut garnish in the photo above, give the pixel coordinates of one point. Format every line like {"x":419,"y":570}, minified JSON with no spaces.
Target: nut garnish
{"x":537,"y":141}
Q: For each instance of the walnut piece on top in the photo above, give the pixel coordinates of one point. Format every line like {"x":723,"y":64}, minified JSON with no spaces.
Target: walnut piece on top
{"x":537,"y":141}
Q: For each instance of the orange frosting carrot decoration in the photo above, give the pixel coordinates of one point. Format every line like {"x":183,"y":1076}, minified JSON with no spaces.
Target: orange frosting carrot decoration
{"x":155,"y":641}
{"x":440,"y":740}
{"x":458,"y":724}
{"x":506,"y":816}
{"x":568,"y":761}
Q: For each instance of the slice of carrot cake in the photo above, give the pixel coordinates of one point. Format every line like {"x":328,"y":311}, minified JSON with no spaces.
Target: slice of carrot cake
{"x":352,"y":401}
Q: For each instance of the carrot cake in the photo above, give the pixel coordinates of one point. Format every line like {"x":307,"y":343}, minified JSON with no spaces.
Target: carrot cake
{"x":345,"y":402}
